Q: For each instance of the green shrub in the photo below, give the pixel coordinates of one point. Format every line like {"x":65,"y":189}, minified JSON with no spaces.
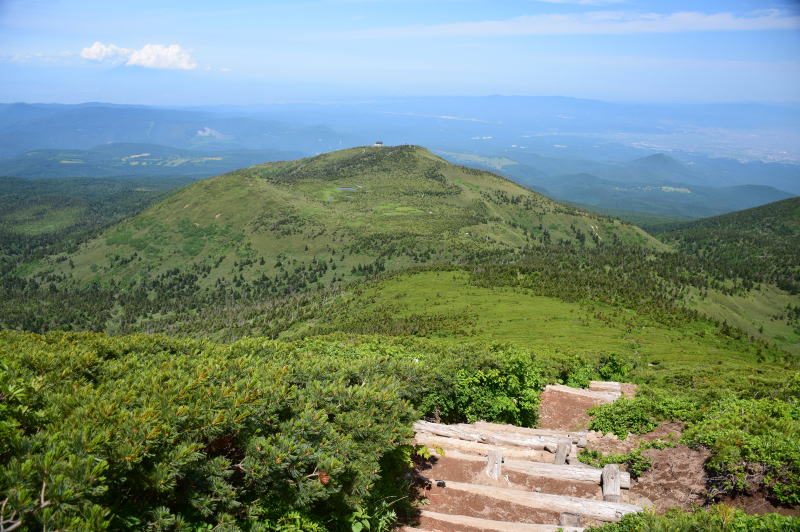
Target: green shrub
{"x":577,"y":372}
{"x":640,"y":414}
{"x":718,"y":518}
{"x":147,"y":431}
{"x":615,"y":367}
{"x":635,"y":463}
{"x":751,"y":438}
{"x":507,"y":394}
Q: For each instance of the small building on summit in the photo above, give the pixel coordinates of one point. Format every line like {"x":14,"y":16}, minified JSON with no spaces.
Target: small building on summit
{"x":378,"y":144}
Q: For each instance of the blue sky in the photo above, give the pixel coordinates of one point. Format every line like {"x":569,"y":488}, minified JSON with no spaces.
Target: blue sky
{"x":206,"y":52}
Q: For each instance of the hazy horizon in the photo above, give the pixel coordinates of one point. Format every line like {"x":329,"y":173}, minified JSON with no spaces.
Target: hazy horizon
{"x":350,"y":50}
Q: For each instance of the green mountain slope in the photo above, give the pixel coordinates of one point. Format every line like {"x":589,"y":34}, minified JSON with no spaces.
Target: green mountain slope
{"x":293,"y":224}
{"x":760,"y":246}
{"x":762,"y":243}
{"x":44,"y":216}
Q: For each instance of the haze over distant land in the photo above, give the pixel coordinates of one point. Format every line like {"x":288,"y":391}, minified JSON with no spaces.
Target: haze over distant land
{"x":332,"y":50}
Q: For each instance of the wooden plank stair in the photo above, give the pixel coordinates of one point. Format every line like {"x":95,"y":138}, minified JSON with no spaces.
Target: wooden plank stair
{"x":573,"y":473}
{"x":461,"y":522}
{"x":590,"y":508}
{"x":502,"y":478}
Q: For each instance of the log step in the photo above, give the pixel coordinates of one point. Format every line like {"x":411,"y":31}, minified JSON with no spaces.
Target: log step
{"x":601,"y":396}
{"x":572,"y":473}
{"x":577,"y":437}
{"x":459,"y":522}
{"x":481,"y":449}
{"x":588,"y":508}
{"x":605,"y":386}
{"x":471,"y":433}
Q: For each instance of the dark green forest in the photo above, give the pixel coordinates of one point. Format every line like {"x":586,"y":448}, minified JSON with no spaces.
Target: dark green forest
{"x":40,"y":217}
{"x":762,"y":244}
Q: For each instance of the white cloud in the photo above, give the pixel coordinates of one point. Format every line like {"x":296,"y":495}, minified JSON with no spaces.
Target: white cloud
{"x":171,"y":57}
{"x":159,"y":56}
{"x":595,"y":23}
{"x":105,"y":52}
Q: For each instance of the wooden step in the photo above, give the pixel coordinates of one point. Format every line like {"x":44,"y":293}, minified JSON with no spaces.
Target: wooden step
{"x":475,"y":470}
{"x":460,"y":522}
{"x":573,"y":473}
{"x":605,"y":386}
{"x":587,"y":508}
{"x":471,"y":433}
{"x":604,"y":396}
{"x":482,"y":449}
{"x":577,"y":437}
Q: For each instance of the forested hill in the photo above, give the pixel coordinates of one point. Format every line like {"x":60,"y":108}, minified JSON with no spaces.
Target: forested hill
{"x":286,"y":226}
{"x":762,"y":243}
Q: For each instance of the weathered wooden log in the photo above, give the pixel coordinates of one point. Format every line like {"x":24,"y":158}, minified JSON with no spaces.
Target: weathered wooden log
{"x":578,"y":437}
{"x":572,"y":456}
{"x":469,"y":434}
{"x":605,"y":386}
{"x":588,"y":508}
{"x":463,"y":521}
{"x":570,"y":473}
{"x":482,"y":449}
{"x":611,"y":483}
{"x":494,"y":465}
{"x":561,"y":453}
{"x":602,"y":396}
{"x":570,"y":520}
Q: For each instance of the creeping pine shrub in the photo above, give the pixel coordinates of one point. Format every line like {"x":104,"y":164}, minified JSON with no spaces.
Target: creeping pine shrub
{"x":615,"y":367}
{"x":751,"y":438}
{"x":149,"y":432}
{"x":640,"y":414}
{"x":576,"y":371}
{"x":20,"y":412}
{"x":717,"y":518}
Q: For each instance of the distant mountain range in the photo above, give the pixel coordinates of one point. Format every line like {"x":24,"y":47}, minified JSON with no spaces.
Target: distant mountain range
{"x":27,"y":127}
{"x":581,"y":151}
{"x":655,"y":184}
{"x":128,"y":159}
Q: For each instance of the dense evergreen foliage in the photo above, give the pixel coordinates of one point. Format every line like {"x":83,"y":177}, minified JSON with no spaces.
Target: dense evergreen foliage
{"x":760,"y":244}
{"x":718,"y":518}
{"x":150,"y":432}
{"x":41,"y":217}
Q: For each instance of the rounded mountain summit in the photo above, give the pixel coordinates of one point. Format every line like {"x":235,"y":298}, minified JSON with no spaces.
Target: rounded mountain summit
{"x":341,"y":214}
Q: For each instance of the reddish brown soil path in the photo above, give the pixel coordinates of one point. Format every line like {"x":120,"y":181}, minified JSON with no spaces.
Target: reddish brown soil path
{"x":464,"y":493}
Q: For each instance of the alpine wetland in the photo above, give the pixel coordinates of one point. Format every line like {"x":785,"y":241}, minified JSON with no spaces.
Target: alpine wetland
{"x":429,"y":266}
